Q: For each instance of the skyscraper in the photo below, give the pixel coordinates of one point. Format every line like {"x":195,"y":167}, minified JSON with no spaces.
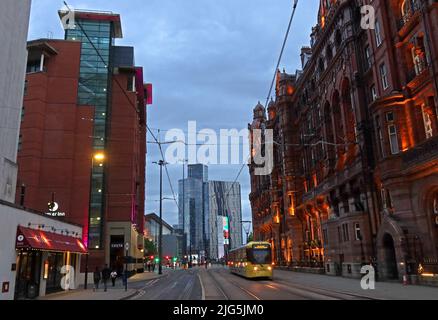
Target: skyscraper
{"x":225,"y":216}
{"x":210,"y":213}
{"x":193,"y":217}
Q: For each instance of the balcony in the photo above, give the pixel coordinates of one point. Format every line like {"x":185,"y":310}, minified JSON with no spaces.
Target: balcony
{"x":419,"y":70}
{"x":422,"y":153}
{"x":410,"y":15}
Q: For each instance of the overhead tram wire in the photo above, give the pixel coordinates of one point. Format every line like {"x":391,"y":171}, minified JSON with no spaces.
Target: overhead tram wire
{"x":127,"y":97}
{"x":272,"y":83}
{"x":282,"y":51}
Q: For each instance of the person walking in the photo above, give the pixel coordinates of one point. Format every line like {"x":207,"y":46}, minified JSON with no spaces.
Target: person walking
{"x":96,"y":278}
{"x":106,"y":274}
{"x":114,"y":277}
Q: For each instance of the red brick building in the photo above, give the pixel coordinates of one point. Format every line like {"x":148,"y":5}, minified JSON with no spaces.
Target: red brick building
{"x":83,"y":137}
{"x":356,"y":157}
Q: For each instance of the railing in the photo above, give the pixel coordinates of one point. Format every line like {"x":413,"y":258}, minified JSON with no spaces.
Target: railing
{"x":407,"y":17}
{"x":421,"y":153}
{"x":420,"y":67}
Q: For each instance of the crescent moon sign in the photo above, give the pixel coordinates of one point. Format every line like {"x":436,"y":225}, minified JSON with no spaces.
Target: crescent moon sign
{"x":55,"y":207}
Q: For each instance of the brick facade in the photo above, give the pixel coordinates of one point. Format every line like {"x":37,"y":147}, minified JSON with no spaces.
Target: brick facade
{"x":355,"y":145}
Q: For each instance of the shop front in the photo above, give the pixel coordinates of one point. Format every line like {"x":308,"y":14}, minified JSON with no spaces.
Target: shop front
{"x":46,"y":262}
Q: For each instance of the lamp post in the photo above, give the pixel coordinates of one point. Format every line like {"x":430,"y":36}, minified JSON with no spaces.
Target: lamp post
{"x":184,"y":161}
{"x":100,"y":157}
{"x":126,"y":265}
{"x":247,"y":230}
{"x":161,"y":163}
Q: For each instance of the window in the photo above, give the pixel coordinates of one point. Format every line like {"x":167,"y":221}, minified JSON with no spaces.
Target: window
{"x":380,"y":137}
{"x":26,"y":83}
{"x":383,"y":198}
{"x":357,"y":232}
{"x":345,"y":232}
{"x":22,"y":114}
{"x":20,"y":142}
{"x":427,"y":122}
{"x":393,"y":139}
{"x":373,"y":93}
{"x":418,"y":60}
{"x":435,"y":204}
{"x":33,"y":66}
{"x":325,"y":234}
{"x":368,"y":57}
{"x":390,"y":117}
{"x":378,"y":32}
{"x":131,"y":84}
{"x":384,"y":76}
{"x":339,"y":234}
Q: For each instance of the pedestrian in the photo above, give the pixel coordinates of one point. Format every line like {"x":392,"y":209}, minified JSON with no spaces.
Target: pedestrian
{"x":114,"y":277}
{"x":106,"y":274}
{"x":153,"y":267}
{"x":149,"y":266}
{"x":96,"y":278}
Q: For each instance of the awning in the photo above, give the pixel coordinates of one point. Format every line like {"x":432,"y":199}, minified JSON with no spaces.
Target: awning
{"x":48,"y":241}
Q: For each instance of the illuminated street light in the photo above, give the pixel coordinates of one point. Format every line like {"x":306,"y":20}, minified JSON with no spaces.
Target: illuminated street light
{"x":99,"y":156}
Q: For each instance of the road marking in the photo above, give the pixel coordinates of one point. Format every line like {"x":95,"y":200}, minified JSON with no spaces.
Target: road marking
{"x":272,"y":287}
{"x":241,"y":288}
{"x":202,"y":287}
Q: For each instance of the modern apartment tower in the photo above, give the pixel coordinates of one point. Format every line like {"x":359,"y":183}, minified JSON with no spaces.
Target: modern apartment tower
{"x":225,"y":216}
{"x":210,"y":213}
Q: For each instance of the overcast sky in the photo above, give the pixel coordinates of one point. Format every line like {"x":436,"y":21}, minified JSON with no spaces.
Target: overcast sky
{"x":209,"y":61}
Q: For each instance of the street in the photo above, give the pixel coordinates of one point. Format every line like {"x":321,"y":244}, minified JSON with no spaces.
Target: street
{"x":217,"y":283}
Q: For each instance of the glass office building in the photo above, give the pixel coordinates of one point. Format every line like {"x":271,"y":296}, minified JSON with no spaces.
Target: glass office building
{"x":203,"y":202}
{"x":96,"y":32}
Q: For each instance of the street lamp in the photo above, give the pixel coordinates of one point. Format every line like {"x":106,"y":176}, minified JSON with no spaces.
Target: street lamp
{"x":184,"y":161}
{"x":98,"y":157}
{"x":161,"y":163}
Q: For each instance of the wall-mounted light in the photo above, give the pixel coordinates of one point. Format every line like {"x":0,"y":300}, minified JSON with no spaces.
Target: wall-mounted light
{"x":46,"y":270}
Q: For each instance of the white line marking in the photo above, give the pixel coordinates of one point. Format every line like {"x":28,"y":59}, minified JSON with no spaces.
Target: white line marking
{"x":202,"y":287}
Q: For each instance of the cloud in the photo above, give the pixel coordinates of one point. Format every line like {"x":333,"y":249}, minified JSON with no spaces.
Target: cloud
{"x":209,"y":61}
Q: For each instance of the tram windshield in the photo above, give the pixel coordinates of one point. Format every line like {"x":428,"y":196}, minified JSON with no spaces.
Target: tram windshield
{"x":260,"y":254}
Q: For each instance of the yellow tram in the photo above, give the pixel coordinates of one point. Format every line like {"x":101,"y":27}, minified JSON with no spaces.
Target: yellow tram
{"x":253,"y":260}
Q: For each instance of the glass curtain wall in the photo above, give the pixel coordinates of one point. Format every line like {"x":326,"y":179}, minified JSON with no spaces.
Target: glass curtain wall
{"x":94,"y":86}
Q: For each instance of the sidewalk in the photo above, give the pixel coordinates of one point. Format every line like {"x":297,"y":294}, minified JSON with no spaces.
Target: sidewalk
{"x":383,"y":290}
{"x":116,"y":293}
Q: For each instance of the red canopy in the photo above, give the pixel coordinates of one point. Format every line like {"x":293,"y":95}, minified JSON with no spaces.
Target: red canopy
{"x":48,"y":241}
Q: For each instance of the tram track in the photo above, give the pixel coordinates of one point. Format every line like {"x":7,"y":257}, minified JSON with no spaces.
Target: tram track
{"x":237,"y":285}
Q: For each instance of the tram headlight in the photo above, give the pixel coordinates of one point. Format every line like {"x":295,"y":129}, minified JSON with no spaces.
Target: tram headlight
{"x":256,"y":268}
{"x":270,"y":268}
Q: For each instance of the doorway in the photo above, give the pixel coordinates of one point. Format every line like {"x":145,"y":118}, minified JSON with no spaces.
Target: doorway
{"x":390,"y":261}
{"x":28,"y":275}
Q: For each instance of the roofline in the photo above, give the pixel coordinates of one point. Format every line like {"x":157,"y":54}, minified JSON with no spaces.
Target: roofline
{"x":38,"y":213}
{"x":157,"y":218}
{"x":98,"y":16}
{"x":43,"y":44}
